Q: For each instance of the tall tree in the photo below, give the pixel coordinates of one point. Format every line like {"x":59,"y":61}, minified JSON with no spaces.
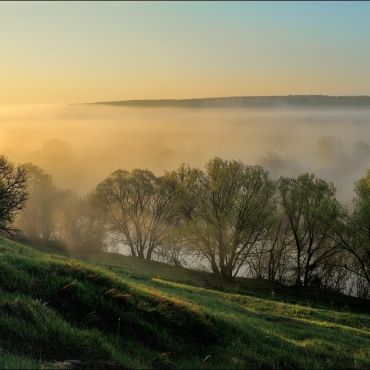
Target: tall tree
{"x":354,"y":234}
{"x":13,"y":193}
{"x":312,"y":213}
{"x":226,"y":210}
{"x":81,"y":225}
{"x":38,"y":217}
{"x":137,"y":209}
{"x":271,"y":259}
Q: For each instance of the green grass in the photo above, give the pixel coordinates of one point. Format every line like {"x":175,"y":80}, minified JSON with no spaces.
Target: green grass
{"x":109,"y":311}
{"x":141,"y":269}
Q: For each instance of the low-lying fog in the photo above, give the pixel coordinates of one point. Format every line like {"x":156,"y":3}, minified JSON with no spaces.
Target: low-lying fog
{"x":79,"y":145}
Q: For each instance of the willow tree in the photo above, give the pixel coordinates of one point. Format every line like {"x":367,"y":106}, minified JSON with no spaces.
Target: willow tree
{"x":312,"y":213}
{"x":136,"y":205}
{"x":225,"y":209}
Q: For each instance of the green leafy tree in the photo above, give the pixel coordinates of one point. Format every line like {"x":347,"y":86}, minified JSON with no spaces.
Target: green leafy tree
{"x":81,"y":225}
{"x":137,"y":206}
{"x":272,"y":258}
{"x":355,"y":232}
{"x":312,"y":213}
{"x":37,"y":220}
{"x":225,"y":209}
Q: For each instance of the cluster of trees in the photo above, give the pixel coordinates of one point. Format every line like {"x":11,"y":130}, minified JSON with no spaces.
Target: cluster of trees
{"x":55,"y":215}
{"x":239,"y":220}
{"x":231,"y":216}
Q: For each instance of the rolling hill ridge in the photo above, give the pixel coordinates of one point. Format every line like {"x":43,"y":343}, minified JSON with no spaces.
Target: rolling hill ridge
{"x":292,"y":101}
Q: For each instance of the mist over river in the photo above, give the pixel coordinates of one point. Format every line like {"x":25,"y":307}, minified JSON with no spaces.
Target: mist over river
{"x":79,"y":145}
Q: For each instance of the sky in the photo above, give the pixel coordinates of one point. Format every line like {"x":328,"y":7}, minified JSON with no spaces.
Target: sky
{"x":70,"y":52}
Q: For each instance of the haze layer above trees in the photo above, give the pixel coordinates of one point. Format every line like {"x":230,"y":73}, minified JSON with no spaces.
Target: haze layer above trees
{"x":80,"y":145}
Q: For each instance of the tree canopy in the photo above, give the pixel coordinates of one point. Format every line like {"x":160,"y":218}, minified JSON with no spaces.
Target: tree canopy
{"x":226,"y":209}
{"x":137,"y":206}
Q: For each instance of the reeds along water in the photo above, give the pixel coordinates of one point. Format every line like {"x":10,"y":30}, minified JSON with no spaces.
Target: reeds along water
{"x":79,"y":145}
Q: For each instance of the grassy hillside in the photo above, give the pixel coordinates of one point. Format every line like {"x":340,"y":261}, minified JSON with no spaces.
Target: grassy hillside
{"x":138,"y":269}
{"x":117,"y":312}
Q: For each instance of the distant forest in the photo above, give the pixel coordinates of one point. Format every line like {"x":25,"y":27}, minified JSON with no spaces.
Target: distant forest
{"x":298,"y":101}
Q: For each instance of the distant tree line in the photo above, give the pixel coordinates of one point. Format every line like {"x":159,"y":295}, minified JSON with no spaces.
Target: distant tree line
{"x":230,"y":216}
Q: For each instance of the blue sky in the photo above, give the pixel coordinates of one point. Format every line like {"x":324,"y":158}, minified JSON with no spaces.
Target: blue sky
{"x":83,"y":51}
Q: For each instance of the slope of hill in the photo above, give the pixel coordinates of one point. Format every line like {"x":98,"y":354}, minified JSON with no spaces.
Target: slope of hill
{"x":298,"y":101}
{"x":110,"y":312}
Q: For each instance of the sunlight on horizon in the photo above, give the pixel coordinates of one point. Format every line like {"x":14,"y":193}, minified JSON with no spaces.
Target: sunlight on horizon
{"x":74,"y":52}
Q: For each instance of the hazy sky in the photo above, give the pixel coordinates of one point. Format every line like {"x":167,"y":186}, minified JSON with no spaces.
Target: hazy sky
{"x":91,"y":51}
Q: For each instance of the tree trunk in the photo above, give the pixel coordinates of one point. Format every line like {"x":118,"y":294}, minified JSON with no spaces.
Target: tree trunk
{"x":227,"y":273}
{"x":298,"y":281}
{"x":140,"y":253}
